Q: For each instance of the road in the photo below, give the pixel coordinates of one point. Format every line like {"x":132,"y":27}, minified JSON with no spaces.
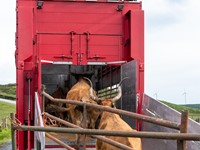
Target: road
{"x":7,"y":146}
{"x":7,"y":101}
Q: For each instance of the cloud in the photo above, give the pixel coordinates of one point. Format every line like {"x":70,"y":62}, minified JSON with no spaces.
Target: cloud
{"x":8,"y":74}
{"x":172,"y":49}
{"x":7,"y":41}
{"x":162,"y":13}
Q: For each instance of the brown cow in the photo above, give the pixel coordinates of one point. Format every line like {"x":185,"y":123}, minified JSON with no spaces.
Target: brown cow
{"x":111,"y":121}
{"x":80,"y":92}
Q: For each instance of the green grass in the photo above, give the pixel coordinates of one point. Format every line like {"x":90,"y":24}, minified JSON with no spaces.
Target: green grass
{"x":8,"y":91}
{"x":6,"y":109}
{"x":5,"y":135}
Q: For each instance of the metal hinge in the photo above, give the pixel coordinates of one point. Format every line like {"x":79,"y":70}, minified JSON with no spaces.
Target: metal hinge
{"x":40,"y":4}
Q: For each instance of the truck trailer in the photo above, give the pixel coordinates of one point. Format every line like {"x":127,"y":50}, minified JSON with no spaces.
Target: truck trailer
{"x":58,"y":38}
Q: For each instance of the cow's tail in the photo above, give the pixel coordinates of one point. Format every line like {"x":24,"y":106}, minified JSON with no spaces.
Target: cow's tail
{"x":70,"y":107}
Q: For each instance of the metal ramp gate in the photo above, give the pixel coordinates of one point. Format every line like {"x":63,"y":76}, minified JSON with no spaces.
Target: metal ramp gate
{"x":154,"y":108}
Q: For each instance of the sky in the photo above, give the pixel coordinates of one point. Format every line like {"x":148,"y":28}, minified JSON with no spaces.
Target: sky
{"x":172,"y":48}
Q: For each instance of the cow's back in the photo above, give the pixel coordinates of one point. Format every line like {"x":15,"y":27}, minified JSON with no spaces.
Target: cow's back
{"x":113,"y":122}
{"x":80,"y":92}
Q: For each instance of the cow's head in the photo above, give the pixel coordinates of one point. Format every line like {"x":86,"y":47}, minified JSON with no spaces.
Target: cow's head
{"x":106,"y":102}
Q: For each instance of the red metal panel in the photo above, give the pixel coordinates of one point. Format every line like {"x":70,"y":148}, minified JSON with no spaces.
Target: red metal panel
{"x":24,"y":52}
{"x":101,"y":48}
{"x":134,"y":49}
{"x":137,"y":52}
{"x":67,"y":47}
{"x":102,"y":23}
{"x":19,"y":106}
{"x":137,"y":42}
{"x":58,"y":47}
{"x":137,"y":34}
{"x":80,"y":17}
{"x":25,"y":31}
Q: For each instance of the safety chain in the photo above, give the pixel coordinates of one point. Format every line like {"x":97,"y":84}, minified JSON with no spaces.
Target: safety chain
{"x":15,"y":122}
{"x":48,"y":120}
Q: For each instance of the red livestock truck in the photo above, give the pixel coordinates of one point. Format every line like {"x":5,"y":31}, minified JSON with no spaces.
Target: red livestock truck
{"x":57,"y":37}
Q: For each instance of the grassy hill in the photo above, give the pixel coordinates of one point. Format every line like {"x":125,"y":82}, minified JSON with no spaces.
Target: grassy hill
{"x":8,"y":91}
{"x":182,"y":107}
{"x":197,"y":106}
{"x":194,"y":113}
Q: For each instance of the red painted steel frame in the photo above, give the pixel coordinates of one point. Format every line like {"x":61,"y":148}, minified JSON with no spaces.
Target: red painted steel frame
{"x":77,"y":32}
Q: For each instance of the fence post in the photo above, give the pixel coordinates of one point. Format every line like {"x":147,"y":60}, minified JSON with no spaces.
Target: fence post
{"x":13,"y":131}
{"x":84,"y":125}
{"x":3,"y":123}
{"x":6,"y":120}
{"x":181,"y":144}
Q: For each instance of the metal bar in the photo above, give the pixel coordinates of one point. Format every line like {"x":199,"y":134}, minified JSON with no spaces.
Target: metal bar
{"x":59,"y":142}
{"x":43,"y":98}
{"x":111,"y":94}
{"x":84,"y":124}
{"x":102,"y":138}
{"x":29,"y":112}
{"x":106,"y":90}
{"x":29,"y":98}
{"x":181,"y":144}
{"x":13,"y":136}
{"x":154,"y":135}
{"x":154,"y":120}
{"x":110,"y":72}
{"x":61,"y":33}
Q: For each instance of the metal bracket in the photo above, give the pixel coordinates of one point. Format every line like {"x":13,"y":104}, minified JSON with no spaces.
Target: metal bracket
{"x":40,"y":4}
{"x":63,"y":57}
{"x":120,"y":7}
{"x":72,"y":33}
{"x":87,"y":43}
{"x":29,"y":76}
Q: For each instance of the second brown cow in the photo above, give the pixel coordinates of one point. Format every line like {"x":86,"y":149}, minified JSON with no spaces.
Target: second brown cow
{"x":111,"y":121}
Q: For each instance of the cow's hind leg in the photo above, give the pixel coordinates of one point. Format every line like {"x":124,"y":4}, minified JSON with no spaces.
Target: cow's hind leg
{"x":83,"y":124}
{"x":79,"y":123}
{"x":77,"y":141}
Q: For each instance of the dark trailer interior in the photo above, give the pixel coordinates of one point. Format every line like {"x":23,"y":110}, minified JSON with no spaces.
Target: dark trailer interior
{"x":104,"y":79}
